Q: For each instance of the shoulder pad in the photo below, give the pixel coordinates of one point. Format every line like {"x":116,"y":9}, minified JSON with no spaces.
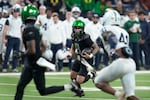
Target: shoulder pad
{"x":86,"y":36}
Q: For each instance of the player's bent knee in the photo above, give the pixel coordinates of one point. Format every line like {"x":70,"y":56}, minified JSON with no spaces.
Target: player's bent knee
{"x":86,"y":79}
{"x":42,"y":92}
{"x":80,"y":79}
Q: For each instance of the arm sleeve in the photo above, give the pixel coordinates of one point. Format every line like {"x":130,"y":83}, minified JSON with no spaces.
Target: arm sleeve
{"x":112,"y":41}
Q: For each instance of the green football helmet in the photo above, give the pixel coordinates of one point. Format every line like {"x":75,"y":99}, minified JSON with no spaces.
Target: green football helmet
{"x":78,"y":24}
{"x":29,"y":12}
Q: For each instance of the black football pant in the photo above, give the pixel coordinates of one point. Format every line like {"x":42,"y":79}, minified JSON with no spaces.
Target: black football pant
{"x":39,"y":79}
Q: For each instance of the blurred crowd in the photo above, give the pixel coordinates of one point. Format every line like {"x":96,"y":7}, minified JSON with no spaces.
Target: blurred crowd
{"x":97,"y":6}
{"x":55,"y":23}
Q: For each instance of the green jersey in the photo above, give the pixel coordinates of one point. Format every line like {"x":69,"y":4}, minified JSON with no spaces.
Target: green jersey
{"x":70,"y":3}
{"x":133,"y":36}
{"x":87,"y":5}
{"x":100,"y":8}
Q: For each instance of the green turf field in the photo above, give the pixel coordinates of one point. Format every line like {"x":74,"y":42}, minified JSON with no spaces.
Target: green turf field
{"x":8,"y":83}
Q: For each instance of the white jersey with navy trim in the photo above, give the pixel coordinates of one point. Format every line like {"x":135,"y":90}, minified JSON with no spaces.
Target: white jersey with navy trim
{"x":121,"y":34}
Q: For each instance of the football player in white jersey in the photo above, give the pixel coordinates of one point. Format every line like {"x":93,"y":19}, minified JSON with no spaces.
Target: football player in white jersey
{"x":113,"y":33}
{"x":45,"y":22}
{"x":122,"y":68}
{"x":2,"y":23}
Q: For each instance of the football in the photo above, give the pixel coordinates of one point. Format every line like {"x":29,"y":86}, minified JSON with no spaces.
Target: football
{"x":87,"y":50}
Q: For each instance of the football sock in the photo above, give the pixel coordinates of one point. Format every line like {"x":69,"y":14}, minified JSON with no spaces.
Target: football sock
{"x":67,"y":87}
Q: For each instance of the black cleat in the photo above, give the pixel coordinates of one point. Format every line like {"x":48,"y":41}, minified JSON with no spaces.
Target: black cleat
{"x":81,"y":93}
{"x":76,"y":89}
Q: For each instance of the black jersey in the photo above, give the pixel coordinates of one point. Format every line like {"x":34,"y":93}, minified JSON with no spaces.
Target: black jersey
{"x":30,"y":32}
{"x":84,"y":42}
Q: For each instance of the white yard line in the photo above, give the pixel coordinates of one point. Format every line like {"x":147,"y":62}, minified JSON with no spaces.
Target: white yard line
{"x":56,"y":97}
{"x":62,"y":97}
{"x":63,"y":73}
{"x":117,"y":87}
{"x":85,"y":88}
{"x":47,"y":73}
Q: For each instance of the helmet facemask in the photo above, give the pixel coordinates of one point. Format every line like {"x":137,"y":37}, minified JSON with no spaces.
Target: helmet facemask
{"x":76,"y":14}
{"x":78,"y":30}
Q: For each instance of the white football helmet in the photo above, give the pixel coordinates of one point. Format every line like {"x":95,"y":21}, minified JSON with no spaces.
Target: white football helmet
{"x":111,"y":17}
{"x":48,"y":54}
{"x":16,"y":7}
{"x":74,"y":10}
{"x":61,"y":54}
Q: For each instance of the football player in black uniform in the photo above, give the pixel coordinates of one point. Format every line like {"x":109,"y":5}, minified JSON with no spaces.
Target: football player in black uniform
{"x":84,"y":49}
{"x":34,"y":47}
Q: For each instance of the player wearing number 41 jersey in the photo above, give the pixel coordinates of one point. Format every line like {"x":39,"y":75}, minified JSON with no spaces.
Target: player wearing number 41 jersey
{"x":124,"y":67}
{"x":112,"y":32}
{"x":120,"y":33}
